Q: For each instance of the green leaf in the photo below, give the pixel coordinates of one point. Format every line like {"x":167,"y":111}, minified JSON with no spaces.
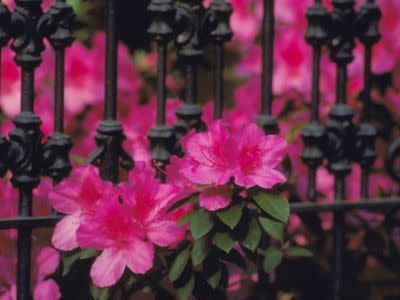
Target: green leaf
{"x":186,"y":291}
{"x":201,"y":224}
{"x":253,"y":236}
{"x":68,"y":262}
{"x":231,"y":216}
{"x":179,"y":264}
{"x":100,"y":293}
{"x":272,"y":258}
{"x":224,"y":242}
{"x":275,"y":205}
{"x":88,"y":253}
{"x":200,"y":250}
{"x":185,"y":218}
{"x":215,"y":279}
{"x":298,"y":252}
{"x":273,"y":228}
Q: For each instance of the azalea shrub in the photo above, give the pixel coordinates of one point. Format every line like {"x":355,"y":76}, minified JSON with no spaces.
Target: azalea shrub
{"x":220,"y":222}
{"x":222,"y":198}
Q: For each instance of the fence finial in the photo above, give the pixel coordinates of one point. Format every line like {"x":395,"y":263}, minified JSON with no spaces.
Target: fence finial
{"x":190,"y":42}
{"x":220,"y":32}
{"x":109,"y":139}
{"x":161,"y":137}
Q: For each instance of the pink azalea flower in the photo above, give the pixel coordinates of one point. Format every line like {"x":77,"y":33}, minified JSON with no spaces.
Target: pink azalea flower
{"x":76,"y":197}
{"x":215,"y":157}
{"x":128,"y":224}
{"x":113,"y":231}
{"x":149,"y":201}
{"x":258,"y":157}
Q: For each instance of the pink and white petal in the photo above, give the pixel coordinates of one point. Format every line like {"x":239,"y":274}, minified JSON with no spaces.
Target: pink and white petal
{"x":108,"y":267}
{"x":215,"y":198}
{"x":139,"y":256}
{"x":62,"y":198}
{"x":64,"y":235}
{"x":203,"y":174}
{"x":89,"y":235}
{"x":167,"y":195}
{"x":275,"y":149}
{"x":224,"y":177}
{"x":267,"y":178}
{"x":165,"y":233}
{"x":47,"y":289}
{"x":174,"y":174}
{"x":248,"y":135}
{"x":244,"y":180}
{"x":47,"y":262}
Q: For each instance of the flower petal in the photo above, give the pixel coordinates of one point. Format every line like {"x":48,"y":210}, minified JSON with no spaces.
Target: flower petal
{"x":64,"y":235}
{"x":275,"y":149}
{"x":108,"y":267}
{"x":165,"y":233}
{"x":47,"y":289}
{"x":243,"y":180}
{"x":267,"y":178}
{"x":47,"y":262}
{"x":139,"y":256}
{"x":62,"y":199}
{"x":89,"y":235}
{"x":215,"y":198}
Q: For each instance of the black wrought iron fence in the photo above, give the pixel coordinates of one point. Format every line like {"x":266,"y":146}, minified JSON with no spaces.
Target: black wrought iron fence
{"x":191,"y":27}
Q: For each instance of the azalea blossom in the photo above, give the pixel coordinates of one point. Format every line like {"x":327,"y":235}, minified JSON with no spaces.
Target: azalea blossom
{"x":246,"y":155}
{"x":127,"y":225}
{"x":77,"y":197}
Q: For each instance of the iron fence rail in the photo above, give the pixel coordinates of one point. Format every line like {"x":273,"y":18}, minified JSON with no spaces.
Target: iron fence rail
{"x":191,"y":26}
{"x":295,"y":208}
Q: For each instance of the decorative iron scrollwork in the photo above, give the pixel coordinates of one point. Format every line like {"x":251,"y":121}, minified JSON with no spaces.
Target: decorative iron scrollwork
{"x":314,"y":138}
{"x":162,"y":144}
{"x":109,"y":140}
{"x":368,"y":23}
{"x":190,"y":41}
{"x":161,"y":137}
{"x":56,"y":163}
{"x":342,"y":29}
{"x":340,"y":142}
{"x":318,"y":19}
{"x":28,"y":39}
{"x":24,"y":154}
{"x":340,"y":148}
{"x":217,"y":21}
{"x":57,"y":25}
{"x":25,"y":151}
{"x":163,"y":17}
{"x":190,"y":36}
